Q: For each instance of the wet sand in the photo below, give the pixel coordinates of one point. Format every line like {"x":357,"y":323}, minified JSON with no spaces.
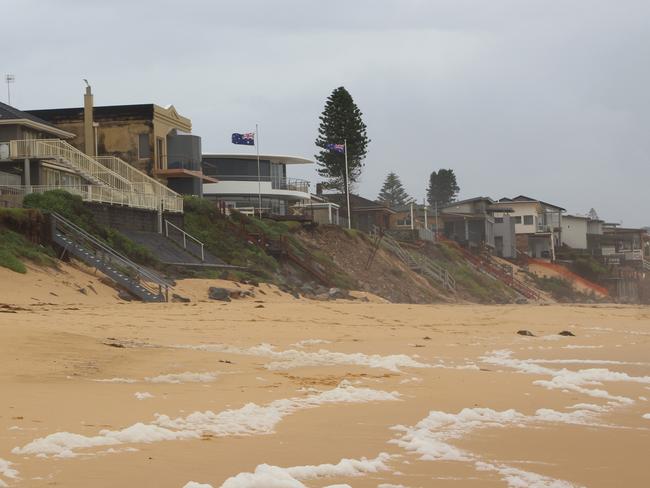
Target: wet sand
{"x":478,"y":405}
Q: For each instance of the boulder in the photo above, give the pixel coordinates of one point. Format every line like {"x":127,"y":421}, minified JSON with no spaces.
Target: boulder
{"x":180,"y":299}
{"x":525,"y":333}
{"x":567,"y":333}
{"x":336,"y":293}
{"x":221,"y":294}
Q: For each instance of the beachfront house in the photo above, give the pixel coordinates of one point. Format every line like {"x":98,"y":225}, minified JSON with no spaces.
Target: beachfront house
{"x":578,"y":230}
{"x":472,"y":224}
{"x":37,"y":155}
{"x":367,"y":215}
{"x":238,"y":184}
{"x":620,"y":246}
{"x":152,"y":139}
{"x":538,"y":225}
{"x":20,"y":173}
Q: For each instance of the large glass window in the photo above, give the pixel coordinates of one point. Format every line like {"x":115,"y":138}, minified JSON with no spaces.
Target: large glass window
{"x":528,"y":220}
{"x":237,"y":169}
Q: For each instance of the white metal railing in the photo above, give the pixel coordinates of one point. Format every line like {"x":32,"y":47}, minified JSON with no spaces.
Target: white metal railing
{"x":58,"y":149}
{"x":88,"y":193}
{"x":111,"y":171}
{"x":633,"y":255}
{"x":143,"y":183}
{"x":185,"y":236}
{"x":426,"y":234}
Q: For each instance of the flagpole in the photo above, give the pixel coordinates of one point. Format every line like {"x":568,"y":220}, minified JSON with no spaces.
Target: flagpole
{"x":347,"y":183}
{"x":259,"y":177}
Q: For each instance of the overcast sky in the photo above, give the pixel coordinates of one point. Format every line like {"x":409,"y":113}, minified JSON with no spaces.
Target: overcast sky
{"x":549,"y":99}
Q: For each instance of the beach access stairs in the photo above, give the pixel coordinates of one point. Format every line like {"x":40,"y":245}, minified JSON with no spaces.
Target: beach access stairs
{"x":281,"y":248}
{"x":175,"y":247}
{"x":138,"y":280}
{"x":416,"y":262}
{"x":485,"y":264}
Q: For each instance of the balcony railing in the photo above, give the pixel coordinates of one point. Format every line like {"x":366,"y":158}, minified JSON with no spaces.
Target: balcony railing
{"x":277,"y":182}
{"x":292,"y":184}
{"x":88,"y":193}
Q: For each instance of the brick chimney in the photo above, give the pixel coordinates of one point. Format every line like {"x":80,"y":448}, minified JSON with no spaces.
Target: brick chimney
{"x":89,"y":131}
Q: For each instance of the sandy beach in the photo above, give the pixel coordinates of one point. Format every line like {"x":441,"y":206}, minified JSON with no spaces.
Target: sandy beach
{"x":273,"y":391}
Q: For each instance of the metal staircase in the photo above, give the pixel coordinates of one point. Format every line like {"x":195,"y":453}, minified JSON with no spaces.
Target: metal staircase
{"x":141,"y":282}
{"x":420,"y":264}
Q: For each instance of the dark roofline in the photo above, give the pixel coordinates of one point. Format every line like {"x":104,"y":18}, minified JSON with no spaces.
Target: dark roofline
{"x":468,"y":200}
{"x":524,"y":198}
{"x":144,"y":110}
{"x":12,"y":113}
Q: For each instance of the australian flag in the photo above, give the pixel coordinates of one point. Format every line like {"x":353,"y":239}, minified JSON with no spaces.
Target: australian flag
{"x":338,"y":148}
{"x":245,"y":139}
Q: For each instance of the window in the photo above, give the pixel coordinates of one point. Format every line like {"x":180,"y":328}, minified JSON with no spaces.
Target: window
{"x":498,"y":220}
{"x":144,"y":149}
{"x":528,"y":220}
{"x":517,"y":219}
{"x":404,"y":221}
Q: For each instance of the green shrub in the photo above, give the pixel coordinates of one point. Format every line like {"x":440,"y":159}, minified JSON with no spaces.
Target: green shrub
{"x":71,"y":208}
{"x":560,"y":289}
{"x":588,"y":267}
{"x":14,"y":246}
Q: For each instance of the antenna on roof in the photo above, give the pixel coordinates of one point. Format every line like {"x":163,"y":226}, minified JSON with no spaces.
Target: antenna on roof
{"x":9,"y":79}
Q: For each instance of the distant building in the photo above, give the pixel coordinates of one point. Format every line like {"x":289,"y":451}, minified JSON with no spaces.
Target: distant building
{"x":17,"y":170}
{"x":538,"y":225}
{"x":620,"y":246}
{"x":366,"y":214}
{"x":236,"y":181}
{"x":471,"y":223}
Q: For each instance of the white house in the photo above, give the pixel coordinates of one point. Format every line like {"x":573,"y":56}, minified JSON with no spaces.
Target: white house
{"x":538,"y":225}
{"x":240,"y":184}
{"x":574,"y":231}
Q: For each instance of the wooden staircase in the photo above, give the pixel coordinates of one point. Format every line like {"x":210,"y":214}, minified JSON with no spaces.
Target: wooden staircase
{"x":420,"y":264}
{"x":487,"y":265}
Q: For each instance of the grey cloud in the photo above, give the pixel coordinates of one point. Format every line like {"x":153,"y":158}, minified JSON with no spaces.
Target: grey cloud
{"x":547,"y":98}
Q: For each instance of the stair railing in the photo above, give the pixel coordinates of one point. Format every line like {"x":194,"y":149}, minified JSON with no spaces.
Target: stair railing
{"x":143,"y":183}
{"x":185,"y":237}
{"x":56,"y":148}
{"x":421,"y":264}
{"x":144,"y":276}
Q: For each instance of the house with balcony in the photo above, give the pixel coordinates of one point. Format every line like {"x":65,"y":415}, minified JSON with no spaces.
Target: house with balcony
{"x":366,"y":215}
{"x":472,"y":224}
{"x":37,"y":156}
{"x":152,"y":139}
{"x":237,"y":183}
{"x":538,"y":225}
{"x":620,"y":246}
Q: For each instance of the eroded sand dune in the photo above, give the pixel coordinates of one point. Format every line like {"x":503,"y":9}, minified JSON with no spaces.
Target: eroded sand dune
{"x":272,"y":391}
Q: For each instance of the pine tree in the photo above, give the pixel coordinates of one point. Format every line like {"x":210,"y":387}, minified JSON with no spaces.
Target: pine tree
{"x":392,"y":193}
{"x":341,"y":121}
{"x":593,"y":214}
{"x":443,"y":187}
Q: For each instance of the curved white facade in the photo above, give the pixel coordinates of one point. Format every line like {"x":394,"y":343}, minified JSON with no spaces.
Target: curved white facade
{"x":242,"y":180}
